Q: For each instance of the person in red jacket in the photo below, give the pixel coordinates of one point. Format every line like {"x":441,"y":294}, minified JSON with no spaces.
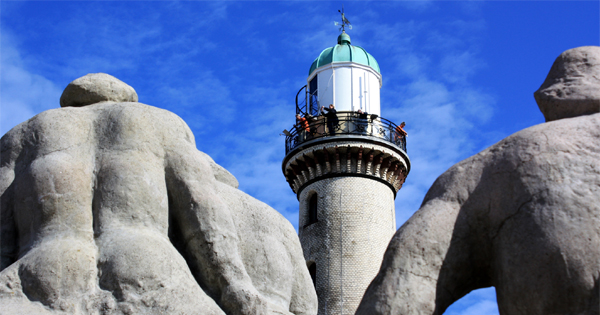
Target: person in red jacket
{"x":302,"y":123}
{"x":400,"y":133}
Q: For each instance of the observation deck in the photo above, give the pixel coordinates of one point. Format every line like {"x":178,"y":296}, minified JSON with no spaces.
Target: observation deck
{"x":372,"y":128}
{"x":360,"y":145}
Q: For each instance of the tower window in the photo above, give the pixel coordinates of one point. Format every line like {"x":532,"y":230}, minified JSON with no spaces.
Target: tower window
{"x":312,"y":270}
{"x":312,"y":209}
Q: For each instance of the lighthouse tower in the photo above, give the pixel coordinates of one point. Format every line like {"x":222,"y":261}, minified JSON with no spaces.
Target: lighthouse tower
{"x":346,"y":178}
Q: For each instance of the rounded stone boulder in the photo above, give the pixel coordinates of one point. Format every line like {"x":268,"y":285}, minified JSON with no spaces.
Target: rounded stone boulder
{"x":95,"y":88}
{"x":572,"y":87}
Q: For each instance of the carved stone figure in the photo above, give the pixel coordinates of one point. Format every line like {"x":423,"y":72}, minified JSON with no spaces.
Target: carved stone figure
{"x":522,"y":216}
{"x":571,"y":88}
{"x":109,"y":208}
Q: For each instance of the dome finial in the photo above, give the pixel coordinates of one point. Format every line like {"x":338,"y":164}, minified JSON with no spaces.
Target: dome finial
{"x":343,"y":39}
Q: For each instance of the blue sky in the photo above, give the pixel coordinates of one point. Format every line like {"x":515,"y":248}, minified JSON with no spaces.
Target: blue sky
{"x":460,"y":73}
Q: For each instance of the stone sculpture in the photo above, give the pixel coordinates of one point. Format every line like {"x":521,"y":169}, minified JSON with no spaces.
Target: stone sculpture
{"x":571,"y":88}
{"x":109,"y":208}
{"x":522,"y":216}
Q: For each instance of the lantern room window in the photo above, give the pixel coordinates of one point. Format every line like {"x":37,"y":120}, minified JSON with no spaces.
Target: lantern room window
{"x":313,"y":97}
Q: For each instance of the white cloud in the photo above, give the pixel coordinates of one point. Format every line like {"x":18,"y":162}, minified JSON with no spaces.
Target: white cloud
{"x":256,"y":160}
{"x":430,"y":88}
{"x":23,"y":93}
{"x":460,"y":66}
{"x":206,"y":103}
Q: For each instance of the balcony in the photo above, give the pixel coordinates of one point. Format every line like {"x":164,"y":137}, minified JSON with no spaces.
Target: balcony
{"x":350,"y":125}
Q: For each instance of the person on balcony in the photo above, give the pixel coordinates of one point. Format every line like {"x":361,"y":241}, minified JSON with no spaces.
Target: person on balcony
{"x":400,"y":133}
{"x":361,"y":114}
{"x":362,"y":123}
{"x":332,"y":119}
{"x":302,"y":124}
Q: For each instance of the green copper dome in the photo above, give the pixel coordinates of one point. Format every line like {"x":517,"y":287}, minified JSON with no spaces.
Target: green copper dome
{"x":344,"y":52}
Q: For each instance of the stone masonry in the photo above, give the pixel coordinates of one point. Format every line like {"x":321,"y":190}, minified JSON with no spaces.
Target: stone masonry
{"x":345,"y":158}
{"x":355,"y":180}
{"x":356,"y":221}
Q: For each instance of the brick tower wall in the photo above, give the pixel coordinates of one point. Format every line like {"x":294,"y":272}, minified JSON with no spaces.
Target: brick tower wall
{"x":355,"y":222}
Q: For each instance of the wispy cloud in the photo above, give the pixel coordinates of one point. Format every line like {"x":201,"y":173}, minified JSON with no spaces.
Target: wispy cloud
{"x":23,"y":93}
{"x":206,"y":102}
{"x":459,"y":67}
{"x":428,"y":84}
{"x":253,"y":152}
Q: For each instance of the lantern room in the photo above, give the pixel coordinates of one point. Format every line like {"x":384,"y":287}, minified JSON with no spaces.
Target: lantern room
{"x":346,"y":76}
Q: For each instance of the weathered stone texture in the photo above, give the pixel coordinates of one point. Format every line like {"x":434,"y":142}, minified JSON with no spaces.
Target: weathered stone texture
{"x":111,"y":209}
{"x":522,"y":216}
{"x":572,"y":87}
{"x":356,"y":220}
{"x":97,"y":87}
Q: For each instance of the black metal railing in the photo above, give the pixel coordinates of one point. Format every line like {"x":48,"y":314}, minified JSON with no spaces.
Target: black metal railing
{"x":307,"y":102}
{"x":348,"y":123}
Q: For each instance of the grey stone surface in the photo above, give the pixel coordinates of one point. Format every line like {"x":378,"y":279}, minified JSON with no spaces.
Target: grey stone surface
{"x":221,"y":174}
{"x":97,"y":87}
{"x":111,"y":209}
{"x":572,"y":87}
{"x":522,"y":216}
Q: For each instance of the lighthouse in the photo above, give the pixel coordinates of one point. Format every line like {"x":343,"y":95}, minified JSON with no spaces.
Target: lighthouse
{"x":345,"y":169}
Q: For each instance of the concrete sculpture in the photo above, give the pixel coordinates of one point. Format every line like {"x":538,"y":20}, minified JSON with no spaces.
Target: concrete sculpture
{"x":109,"y":208}
{"x":522,"y":216}
{"x":572,"y":86}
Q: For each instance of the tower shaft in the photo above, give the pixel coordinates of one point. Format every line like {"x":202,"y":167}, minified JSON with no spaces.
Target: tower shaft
{"x":346,"y":186}
{"x":355,"y":222}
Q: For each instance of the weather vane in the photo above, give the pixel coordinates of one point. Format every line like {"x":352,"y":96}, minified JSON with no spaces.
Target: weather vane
{"x":344,"y":23}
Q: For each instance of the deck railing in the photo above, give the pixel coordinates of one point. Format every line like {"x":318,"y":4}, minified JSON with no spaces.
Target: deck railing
{"x":349,"y":123}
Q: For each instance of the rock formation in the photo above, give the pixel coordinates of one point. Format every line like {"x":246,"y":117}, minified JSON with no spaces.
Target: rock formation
{"x":522,"y":216}
{"x":109,"y":208}
{"x":95,"y":88}
{"x":572,"y":87}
